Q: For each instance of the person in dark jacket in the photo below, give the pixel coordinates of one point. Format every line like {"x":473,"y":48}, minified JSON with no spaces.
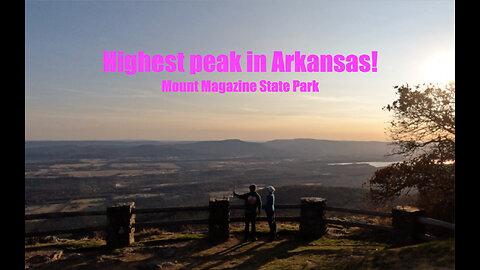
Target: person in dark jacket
{"x":270,"y":211}
{"x":253,"y":202}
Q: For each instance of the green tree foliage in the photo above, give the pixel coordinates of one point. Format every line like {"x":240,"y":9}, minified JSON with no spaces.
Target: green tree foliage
{"x":422,"y":130}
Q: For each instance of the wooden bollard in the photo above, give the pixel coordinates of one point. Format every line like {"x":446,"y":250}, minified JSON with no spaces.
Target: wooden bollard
{"x":120,"y":225}
{"x":218,"y":220}
{"x":406,"y":228}
{"x":312,"y":217}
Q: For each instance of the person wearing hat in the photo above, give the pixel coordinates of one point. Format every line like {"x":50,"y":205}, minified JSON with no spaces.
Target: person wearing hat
{"x":253,"y":202}
{"x":270,"y":211}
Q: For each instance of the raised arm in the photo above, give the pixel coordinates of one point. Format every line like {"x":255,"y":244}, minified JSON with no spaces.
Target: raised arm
{"x":243,"y":196}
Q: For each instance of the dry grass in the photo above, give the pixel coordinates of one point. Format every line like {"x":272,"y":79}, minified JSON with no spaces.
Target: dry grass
{"x":340,"y":248}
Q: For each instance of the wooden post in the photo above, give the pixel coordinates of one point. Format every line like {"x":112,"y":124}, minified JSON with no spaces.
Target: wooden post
{"x":120,"y":222}
{"x":406,"y":227}
{"x":218,"y":220}
{"x":312,"y":217}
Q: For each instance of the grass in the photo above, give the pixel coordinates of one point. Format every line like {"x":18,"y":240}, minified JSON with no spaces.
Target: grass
{"x":194,"y":251}
{"x":69,"y":245}
{"x":289,"y":253}
{"x":168,"y":238}
{"x":262,"y":228}
{"x":430,"y":255}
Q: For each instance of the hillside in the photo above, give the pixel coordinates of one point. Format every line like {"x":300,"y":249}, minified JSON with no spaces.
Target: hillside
{"x":190,"y":195}
{"x":341,"y":248}
{"x":333,"y":150}
{"x":346,"y":151}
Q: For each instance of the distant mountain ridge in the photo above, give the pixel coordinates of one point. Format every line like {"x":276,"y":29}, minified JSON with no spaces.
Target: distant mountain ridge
{"x":354,"y":150}
{"x":231,"y":148}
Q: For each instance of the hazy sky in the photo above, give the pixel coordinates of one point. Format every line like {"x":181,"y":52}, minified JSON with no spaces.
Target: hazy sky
{"x":69,"y":97}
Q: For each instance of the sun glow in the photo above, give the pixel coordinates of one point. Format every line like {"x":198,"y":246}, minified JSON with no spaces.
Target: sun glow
{"x":439,"y":68}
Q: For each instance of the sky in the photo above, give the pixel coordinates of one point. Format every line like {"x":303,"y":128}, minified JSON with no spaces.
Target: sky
{"x":69,"y":97}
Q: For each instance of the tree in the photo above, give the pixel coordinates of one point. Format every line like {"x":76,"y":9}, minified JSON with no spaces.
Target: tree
{"x":423,"y":131}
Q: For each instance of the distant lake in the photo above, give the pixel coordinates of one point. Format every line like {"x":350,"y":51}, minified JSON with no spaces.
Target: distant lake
{"x":377,"y":164}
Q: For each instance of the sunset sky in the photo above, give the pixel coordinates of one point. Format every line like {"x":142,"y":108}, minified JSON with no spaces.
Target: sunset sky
{"x":69,"y":97}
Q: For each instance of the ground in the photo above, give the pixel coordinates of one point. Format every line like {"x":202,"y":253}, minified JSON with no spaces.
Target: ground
{"x":340,"y":248}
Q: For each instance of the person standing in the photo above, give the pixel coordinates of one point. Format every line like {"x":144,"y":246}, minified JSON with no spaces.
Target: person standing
{"x":253,"y":202}
{"x":270,"y":211}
